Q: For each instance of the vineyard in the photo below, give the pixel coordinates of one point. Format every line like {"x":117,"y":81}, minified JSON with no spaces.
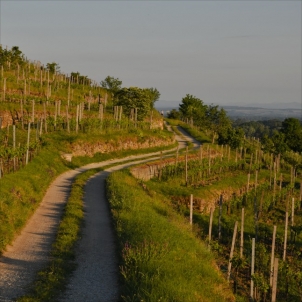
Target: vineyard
{"x":248,"y":194}
{"x":37,"y":101}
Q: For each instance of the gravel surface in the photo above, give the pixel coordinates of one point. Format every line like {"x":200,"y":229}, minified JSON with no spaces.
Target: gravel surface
{"x":96,"y":277}
{"x":29,"y":252}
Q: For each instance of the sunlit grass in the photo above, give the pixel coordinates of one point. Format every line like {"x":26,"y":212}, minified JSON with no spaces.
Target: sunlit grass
{"x":161,"y":259}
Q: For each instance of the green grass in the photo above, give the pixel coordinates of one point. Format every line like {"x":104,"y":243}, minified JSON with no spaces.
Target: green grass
{"x":160,"y":257}
{"x":21,"y":192}
{"x":201,"y":136}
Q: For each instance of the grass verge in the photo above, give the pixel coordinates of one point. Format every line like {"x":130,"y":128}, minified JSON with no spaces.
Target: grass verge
{"x":160,"y":257}
{"x":22,"y":191}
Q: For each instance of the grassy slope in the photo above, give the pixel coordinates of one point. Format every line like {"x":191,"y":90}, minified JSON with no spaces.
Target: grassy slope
{"x":22,"y":191}
{"x":161,"y":259}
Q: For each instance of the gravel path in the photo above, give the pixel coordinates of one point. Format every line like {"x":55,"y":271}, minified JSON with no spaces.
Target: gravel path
{"x":96,"y":278}
{"x":29,"y":252}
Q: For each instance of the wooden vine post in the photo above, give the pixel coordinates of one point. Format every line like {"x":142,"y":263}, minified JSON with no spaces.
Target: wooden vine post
{"x":101,"y":112}
{"x":67,"y":120}
{"x":191,"y":209}
{"x":33,"y":112}
{"x":68,"y":93}
{"x":242,"y":233}
{"x":200,"y":158}
{"x":275,"y":279}
{"x":285,"y":236}
{"x":219,"y":217}
{"x":77,"y":119}
{"x":293,"y":212}
{"x":252,"y":269}
{"x":4,"y":89}
{"x":14,"y":145}
{"x":22,"y":118}
{"x":186,"y":166}
{"x":27,"y":147}
{"x":210,"y":224}
{"x":273,"y":256}
{"x":232,"y":250}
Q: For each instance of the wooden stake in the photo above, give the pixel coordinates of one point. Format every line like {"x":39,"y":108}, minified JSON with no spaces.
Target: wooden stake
{"x":28,"y":137}
{"x":242,"y":233}
{"x":191,"y":209}
{"x":252,"y":269}
{"x":275,"y":279}
{"x":14,"y":145}
{"x":67,"y":120}
{"x":232,"y":250}
{"x":293,"y":212}
{"x":4,"y":89}
{"x":285,"y":236}
{"x":210,"y":225}
{"x":33,"y":112}
{"x":77,"y":119}
{"x":273,"y":256}
{"x":186,"y":166}
{"x":219,"y":218}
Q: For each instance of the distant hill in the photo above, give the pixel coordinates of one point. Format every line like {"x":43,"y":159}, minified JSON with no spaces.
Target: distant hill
{"x":255,"y":112}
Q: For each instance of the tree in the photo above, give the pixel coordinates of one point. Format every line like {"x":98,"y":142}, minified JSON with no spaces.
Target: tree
{"x":292,"y":130}
{"x":193,"y":108}
{"x":217,"y":119}
{"x":53,"y":67}
{"x":134,"y":97}
{"x":16,"y":55}
{"x":174,"y":114}
{"x":112,"y":84}
{"x":76,"y":76}
{"x":231,"y":136}
{"x":153,"y":94}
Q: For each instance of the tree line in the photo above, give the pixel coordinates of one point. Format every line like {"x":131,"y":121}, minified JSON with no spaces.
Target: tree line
{"x":277,"y":137}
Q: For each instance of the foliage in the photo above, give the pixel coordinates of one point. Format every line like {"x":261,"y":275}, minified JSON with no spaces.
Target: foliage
{"x":193,"y":108}
{"x":159,"y":266}
{"x":174,"y":114}
{"x":231,"y":136}
{"x":53,"y":67}
{"x":153,"y":95}
{"x":134,"y":97}
{"x":292,"y":130}
{"x":112,"y":84}
{"x":14,"y":56}
{"x":80,"y":79}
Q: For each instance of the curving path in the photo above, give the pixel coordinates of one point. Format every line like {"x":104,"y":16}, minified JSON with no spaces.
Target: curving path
{"x":96,"y":278}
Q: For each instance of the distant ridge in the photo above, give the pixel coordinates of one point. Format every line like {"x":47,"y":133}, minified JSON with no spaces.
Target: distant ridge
{"x":247,"y":112}
{"x":285,"y":105}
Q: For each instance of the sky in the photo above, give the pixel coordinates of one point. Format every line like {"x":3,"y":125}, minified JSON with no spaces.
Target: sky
{"x":223,"y":52}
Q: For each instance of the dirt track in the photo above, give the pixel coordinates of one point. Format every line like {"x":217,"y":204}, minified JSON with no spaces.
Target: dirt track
{"x":96,"y":250}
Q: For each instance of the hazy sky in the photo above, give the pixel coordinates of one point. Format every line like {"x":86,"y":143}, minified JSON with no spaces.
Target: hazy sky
{"x":223,"y":52}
